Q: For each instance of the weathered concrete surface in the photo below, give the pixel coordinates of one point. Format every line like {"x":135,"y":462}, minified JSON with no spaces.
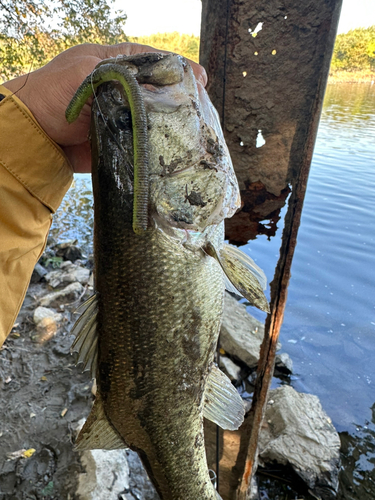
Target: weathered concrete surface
{"x":267,"y":84}
{"x":298,"y":432}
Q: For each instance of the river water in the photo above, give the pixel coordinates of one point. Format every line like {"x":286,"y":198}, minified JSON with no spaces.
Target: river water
{"x":329,"y":324}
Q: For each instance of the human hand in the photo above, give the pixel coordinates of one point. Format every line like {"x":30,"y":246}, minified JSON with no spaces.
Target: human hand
{"x":48,"y":91}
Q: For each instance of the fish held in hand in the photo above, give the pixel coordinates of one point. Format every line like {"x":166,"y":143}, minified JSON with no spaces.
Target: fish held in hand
{"x":150,"y":332}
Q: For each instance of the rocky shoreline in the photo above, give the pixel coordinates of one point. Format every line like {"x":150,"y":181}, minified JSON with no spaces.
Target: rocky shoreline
{"x":45,"y":399}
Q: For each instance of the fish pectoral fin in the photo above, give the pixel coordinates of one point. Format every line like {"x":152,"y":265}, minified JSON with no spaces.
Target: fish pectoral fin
{"x":86,"y":340}
{"x":230,"y":287}
{"x":242,"y":272}
{"x":222,"y":403}
{"x":98,"y":433}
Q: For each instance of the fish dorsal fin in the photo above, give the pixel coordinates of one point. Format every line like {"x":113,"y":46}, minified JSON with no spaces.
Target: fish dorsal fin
{"x":86,"y":340}
{"x":222,"y":403}
{"x":246,"y":277}
{"x":97,"y":432}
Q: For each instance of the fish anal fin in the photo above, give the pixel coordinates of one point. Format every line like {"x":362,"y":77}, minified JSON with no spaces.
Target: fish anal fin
{"x":222,"y":403}
{"x":98,"y":433}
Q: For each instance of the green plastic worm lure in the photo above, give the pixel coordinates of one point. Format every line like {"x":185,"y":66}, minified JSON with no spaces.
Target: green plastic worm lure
{"x":105,"y":73}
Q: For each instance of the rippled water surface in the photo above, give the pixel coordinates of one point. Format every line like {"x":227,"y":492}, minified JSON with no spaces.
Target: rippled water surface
{"x":329,"y":325}
{"x":331,"y":305}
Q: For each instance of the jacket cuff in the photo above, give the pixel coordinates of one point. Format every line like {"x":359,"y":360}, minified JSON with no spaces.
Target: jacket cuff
{"x":30,"y":155}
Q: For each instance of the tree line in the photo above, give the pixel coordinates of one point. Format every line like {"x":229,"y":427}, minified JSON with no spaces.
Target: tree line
{"x":355,"y":50}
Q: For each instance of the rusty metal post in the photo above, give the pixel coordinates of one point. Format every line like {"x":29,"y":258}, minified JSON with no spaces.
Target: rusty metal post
{"x":267,"y":84}
{"x":268,"y":65}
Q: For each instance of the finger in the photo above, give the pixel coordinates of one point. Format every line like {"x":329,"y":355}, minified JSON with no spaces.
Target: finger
{"x":199,"y":72}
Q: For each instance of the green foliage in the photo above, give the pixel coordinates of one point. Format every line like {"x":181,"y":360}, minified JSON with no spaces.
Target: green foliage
{"x":28,"y":42}
{"x":85,"y":21}
{"x":186,"y":45}
{"x":55,"y":262}
{"x":355,"y":50}
{"x":19,"y":17}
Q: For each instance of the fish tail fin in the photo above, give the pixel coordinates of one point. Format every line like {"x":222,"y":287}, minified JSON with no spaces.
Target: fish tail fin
{"x":97,"y":432}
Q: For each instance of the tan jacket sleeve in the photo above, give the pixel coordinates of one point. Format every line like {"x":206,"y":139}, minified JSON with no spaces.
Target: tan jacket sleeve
{"x":34,"y":177}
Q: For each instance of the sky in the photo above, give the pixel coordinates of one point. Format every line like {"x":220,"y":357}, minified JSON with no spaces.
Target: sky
{"x":146,"y":17}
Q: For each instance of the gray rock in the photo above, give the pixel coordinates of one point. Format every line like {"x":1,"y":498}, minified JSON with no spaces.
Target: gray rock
{"x":298,"y":432}
{"x":106,"y":475}
{"x":68,"y":294}
{"x":46,"y":321}
{"x":38,"y":273}
{"x":43,"y":312}
{"x":230,"y":368}
{"x":68,"y":273}
{"x":64,"y":244}
{"x":283,"y":363}
{"x":69,"y":252}
{"x":46,"y":329}
{"x":254,"y":492}
{"x":241,"y":335}
{"x":140,"y":486}
{"x":113,"y":475}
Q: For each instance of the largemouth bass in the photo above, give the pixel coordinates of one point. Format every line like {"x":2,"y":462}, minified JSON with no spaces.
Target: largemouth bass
{"x":149,"y":333}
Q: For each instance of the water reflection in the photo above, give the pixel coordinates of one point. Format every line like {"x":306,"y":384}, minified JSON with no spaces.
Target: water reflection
{"x":349,"y":104}
{"x":75,"y":217}
{"x":260,"y":214}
